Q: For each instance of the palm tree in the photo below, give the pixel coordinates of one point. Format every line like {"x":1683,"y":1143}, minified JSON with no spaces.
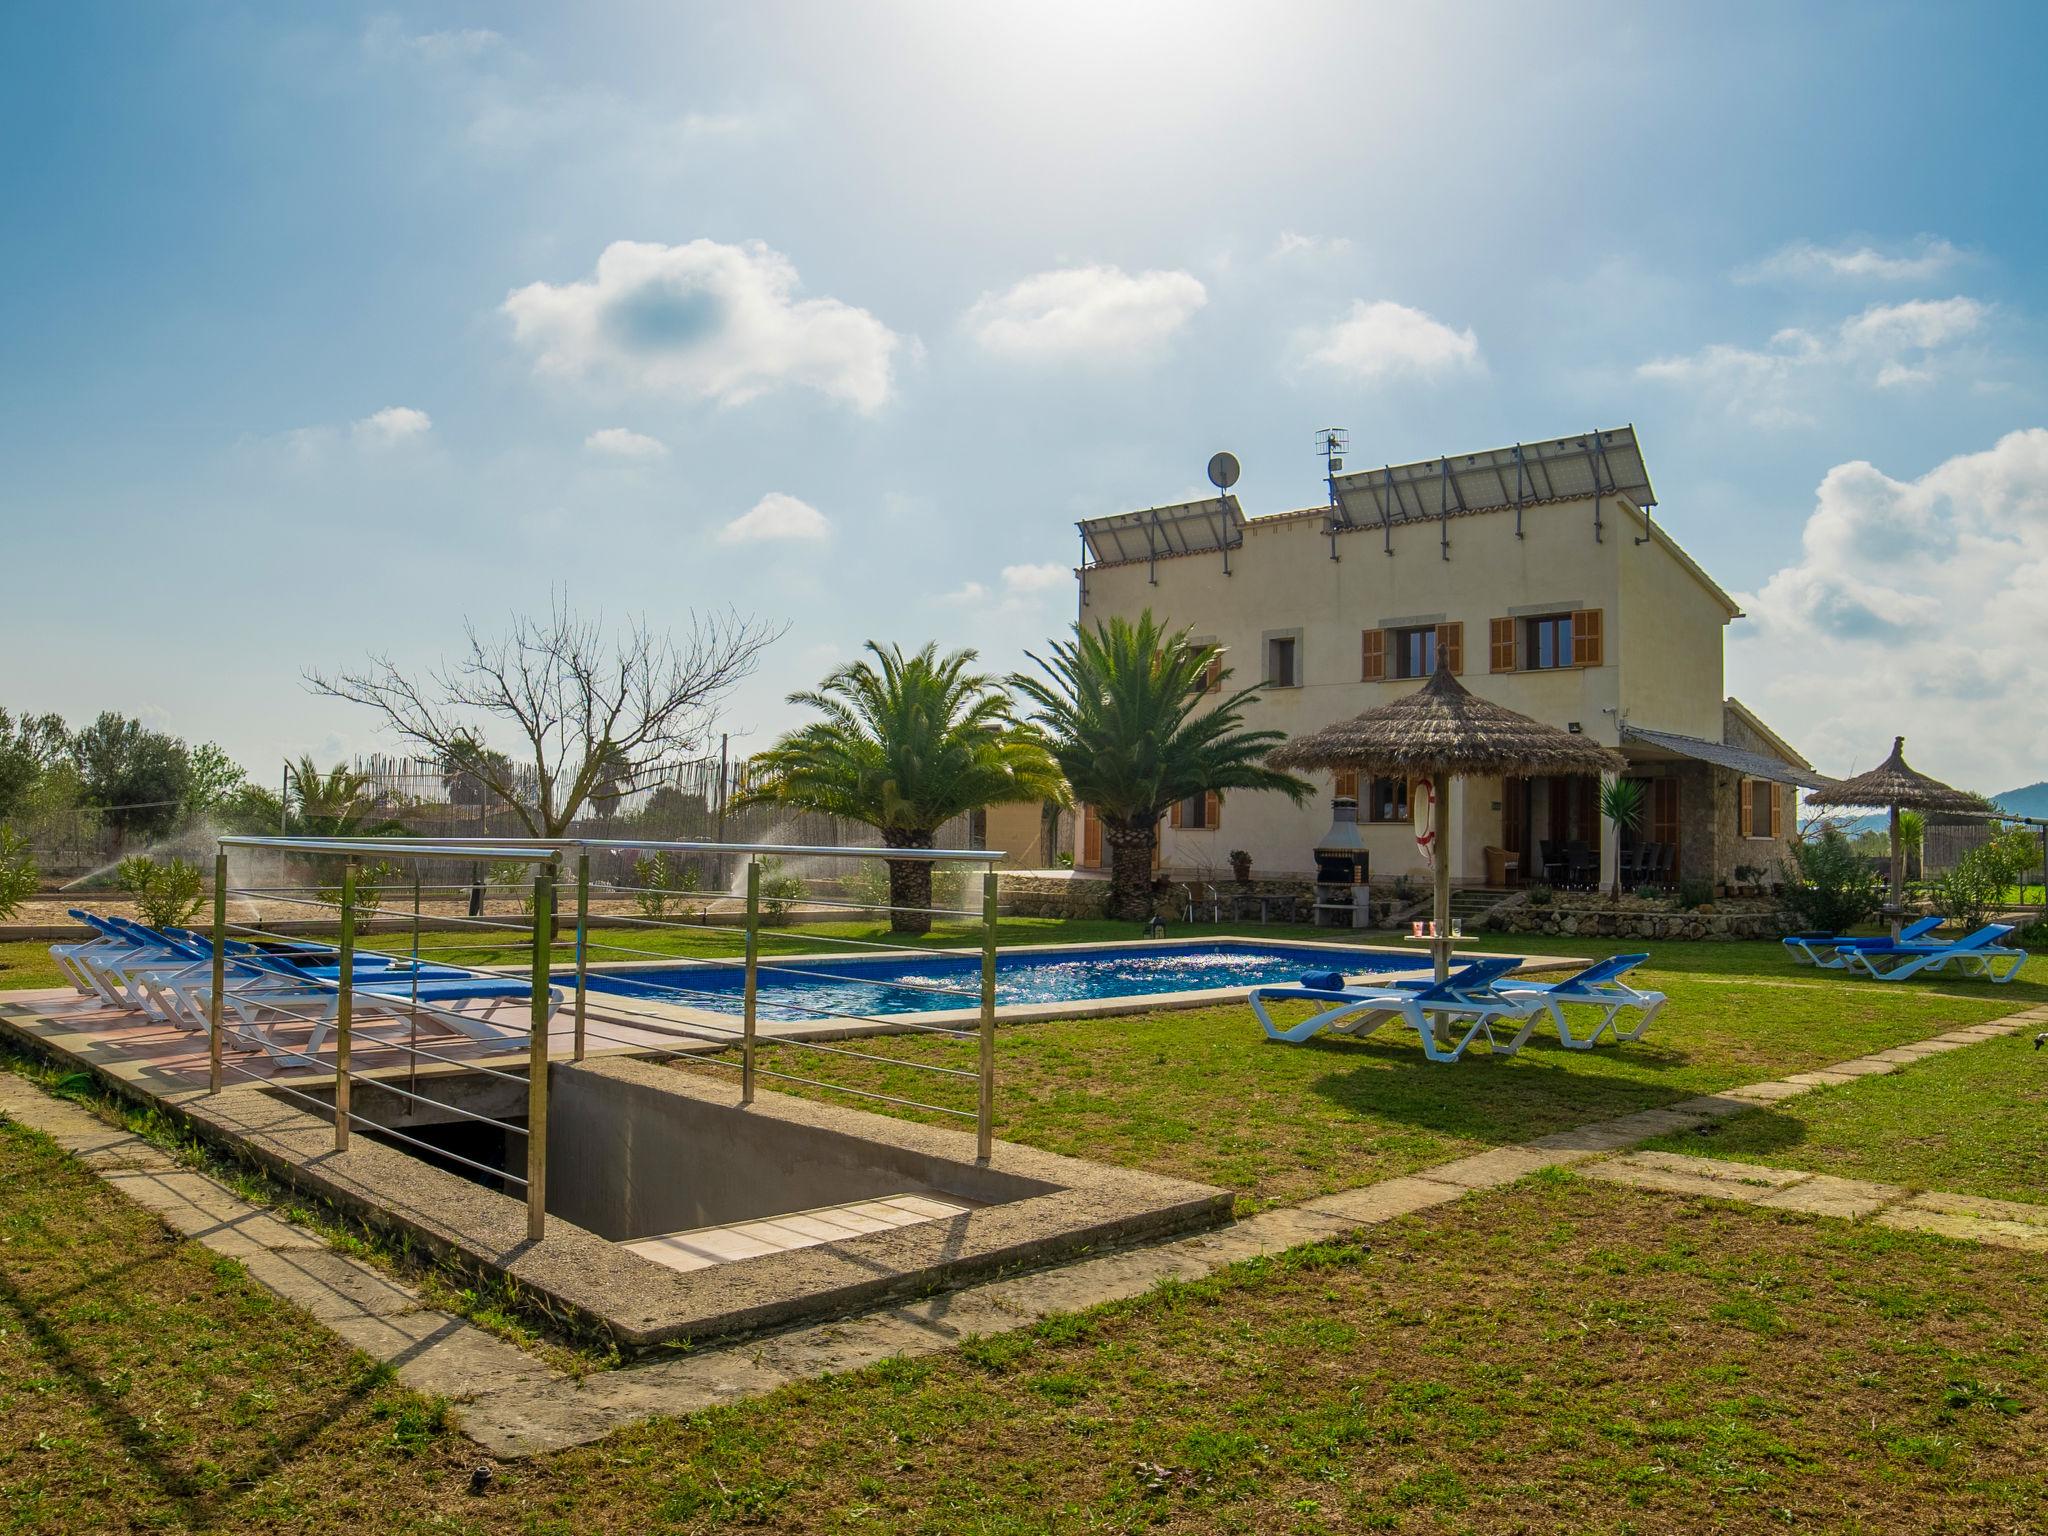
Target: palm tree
{"x":905,"y":744}
{"x":337,"y":803}
{"x":1621,"y":802}
{"x":1123,"y":707}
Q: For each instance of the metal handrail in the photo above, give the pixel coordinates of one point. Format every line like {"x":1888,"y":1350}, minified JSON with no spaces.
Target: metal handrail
{"x":533,"y":934}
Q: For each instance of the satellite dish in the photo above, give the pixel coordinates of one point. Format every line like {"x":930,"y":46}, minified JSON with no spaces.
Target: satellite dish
{"x":1223,"y":471}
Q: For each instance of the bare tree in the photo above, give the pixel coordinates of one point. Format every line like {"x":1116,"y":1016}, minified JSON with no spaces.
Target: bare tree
{"x":591,"y":711}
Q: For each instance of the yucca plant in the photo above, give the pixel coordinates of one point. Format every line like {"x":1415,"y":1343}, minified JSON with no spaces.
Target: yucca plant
{"x":1133,"y":727}
{"x":904,"y":744}
{"x":1621,"y":802}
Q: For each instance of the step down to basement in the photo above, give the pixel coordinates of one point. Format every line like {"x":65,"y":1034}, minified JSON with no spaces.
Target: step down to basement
{"x":702,"y":1247}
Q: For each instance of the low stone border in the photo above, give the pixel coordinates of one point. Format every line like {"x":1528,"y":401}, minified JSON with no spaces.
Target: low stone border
{"x":2000,"y":1223}
{"x":513,"y":1406}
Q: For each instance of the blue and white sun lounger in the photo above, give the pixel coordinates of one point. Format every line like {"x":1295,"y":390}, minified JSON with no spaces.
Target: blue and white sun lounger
{"x":1600,"y":986}
{"x":1830,"y":951}
{"x":1977,"y":955}
{"x":1358,"y":1011}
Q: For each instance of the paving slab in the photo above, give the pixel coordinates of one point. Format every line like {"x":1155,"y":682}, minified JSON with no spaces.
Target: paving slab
{"x":1825,"y":1195}
{"x":1387,"y":1200}
{"x":1969,"y":1229}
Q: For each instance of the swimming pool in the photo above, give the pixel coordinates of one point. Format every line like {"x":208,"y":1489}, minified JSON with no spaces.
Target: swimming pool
{"x":791,"y":989}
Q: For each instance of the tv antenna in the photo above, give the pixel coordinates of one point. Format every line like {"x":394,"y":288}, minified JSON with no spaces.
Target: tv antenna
{"x":1331,"y":443}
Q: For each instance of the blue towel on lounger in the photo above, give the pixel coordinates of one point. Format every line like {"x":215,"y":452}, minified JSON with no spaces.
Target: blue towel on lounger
{"x":1323,"y":981}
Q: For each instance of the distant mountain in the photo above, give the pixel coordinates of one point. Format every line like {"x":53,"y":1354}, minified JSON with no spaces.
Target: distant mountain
{"x":2031,"y":801}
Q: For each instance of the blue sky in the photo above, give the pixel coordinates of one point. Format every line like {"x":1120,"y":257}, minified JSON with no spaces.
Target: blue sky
{"x":323,"y":331}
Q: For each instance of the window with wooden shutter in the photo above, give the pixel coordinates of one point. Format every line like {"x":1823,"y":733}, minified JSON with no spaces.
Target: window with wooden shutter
{"x":1373,"y":655}
{"x":1500,"y":645}
{"x":1450,"y":646}
{"x":1587,"y":647}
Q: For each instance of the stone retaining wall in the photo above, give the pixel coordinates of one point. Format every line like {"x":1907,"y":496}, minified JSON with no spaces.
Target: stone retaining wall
{"x":1635,"y":923}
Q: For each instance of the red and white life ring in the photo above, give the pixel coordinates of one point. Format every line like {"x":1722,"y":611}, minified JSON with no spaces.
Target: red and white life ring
{"x":1424,"y":799}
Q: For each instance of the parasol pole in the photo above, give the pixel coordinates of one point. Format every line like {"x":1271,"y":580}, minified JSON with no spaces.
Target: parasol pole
{"x":1898,"y":875}
{"x":1441,"y":944}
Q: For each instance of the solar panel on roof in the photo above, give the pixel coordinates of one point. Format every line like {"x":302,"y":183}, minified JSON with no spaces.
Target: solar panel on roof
{"x":1186,"y":528}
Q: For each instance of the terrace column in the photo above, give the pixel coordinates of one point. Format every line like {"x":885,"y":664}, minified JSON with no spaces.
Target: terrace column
{"x":1610,"y":842}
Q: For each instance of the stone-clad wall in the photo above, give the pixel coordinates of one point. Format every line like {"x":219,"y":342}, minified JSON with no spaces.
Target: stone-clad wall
{"x":1595,"y":922}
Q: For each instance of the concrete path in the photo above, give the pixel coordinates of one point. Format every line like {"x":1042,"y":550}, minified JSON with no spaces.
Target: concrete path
{"x":1999,"y":1223}
{"x":512,"y":1405}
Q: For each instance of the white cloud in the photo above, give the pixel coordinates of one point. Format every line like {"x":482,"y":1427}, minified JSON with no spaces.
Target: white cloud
{"x":391,"y":426}
{"x":1918,"y":323}
{"x":1914,"y":606}
{"x":705,"y":321}
{"x":1381,"y":340}
{"x":1085,"y":312}
{"x":1021,"y":589}
{"x":1037,"y":578}
{"x":1291,"y":244}
{"x":620,"y":443}
{"x":1779,"y":385}
{"x":777,"y":518}
{"x":1802,"y":260}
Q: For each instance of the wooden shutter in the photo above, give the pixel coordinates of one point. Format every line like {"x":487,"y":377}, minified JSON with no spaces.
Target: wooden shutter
{"x":1373,"y":655}
{"x":1776,"y":791}
{"x":1212,"y":810}
{"x":1587,"y":647}
{"x":1501,"y":645}
{"x":1450,"y":646}
{"x":1173,"y":814}
{"x":1091,"y":838}
{"x":1346,"y":783}
{"x":1212,"y":679}
{"x":1744,"y":817}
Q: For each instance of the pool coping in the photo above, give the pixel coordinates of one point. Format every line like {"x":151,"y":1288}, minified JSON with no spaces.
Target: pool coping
{"x":726,"y":1026}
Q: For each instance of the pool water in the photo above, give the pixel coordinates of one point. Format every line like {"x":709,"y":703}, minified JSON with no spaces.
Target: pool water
{"x":793,"y":990}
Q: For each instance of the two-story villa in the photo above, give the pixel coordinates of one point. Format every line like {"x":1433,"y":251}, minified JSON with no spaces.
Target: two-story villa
{"x":1540,"y":576}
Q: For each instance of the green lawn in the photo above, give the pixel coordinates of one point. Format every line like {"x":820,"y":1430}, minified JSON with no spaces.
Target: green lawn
{"x":1971,"y":1122}
{"x":1560,"y":1355}
{"x":1200,"y":1093}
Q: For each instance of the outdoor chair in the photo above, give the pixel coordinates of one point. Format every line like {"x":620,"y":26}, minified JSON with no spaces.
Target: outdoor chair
{"x":1552,"y":861}
{"x":1600,"y":986}
{"x":1582,"y":864}
{"x":1830,"y":951}
{"x":1977,"y":955}
{"x":265,"y":1009}
{"x":1358,"y":1011}
{"x":1667,"y":863}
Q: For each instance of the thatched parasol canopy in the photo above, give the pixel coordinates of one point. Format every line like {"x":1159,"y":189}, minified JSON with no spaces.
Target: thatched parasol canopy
{"x":1893,"y":783}
{"x":1441,"y":732}
{"x":1442,"y":728}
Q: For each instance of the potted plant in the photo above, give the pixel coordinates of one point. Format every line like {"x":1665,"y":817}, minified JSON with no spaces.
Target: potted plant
{"x":1241,"y":866}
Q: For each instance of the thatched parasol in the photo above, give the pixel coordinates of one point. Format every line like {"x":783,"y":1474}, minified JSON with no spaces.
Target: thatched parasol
{"x":1441,"y":732}
{"x":1894,"y":786}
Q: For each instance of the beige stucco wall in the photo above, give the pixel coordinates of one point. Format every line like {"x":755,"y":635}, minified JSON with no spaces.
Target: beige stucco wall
{"x":1668,"y":633}
{"x":1658,"y":619}
{"x":1018,"y":829}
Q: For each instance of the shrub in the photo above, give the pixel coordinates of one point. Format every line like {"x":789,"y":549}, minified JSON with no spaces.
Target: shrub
{"x":166,"y":895}
{"x":1829,"y":884}
{"x":1541,"y":895}
{"x":658,"y":879}
{"x":779,"y":892}
{"x":1693,"y":894}
{"x":1968,"y":892}
{"x":18,"y":872}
